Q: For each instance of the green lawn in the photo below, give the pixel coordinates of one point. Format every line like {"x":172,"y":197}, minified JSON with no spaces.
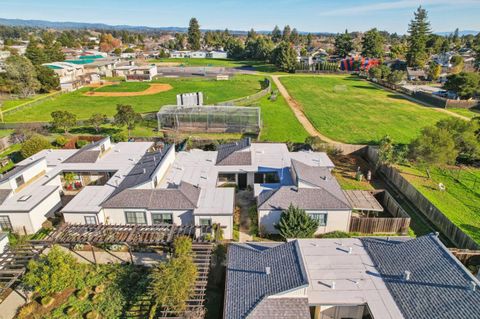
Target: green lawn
{"x":350,"y":110}
{"x":84,"y":106}
{"x":460,"y":201}
{"x":471,"y":113}
{"x":10,"y":104}
{"x":279,"y":122}
{"x":124,"y":87}
{"x":228,"y":63}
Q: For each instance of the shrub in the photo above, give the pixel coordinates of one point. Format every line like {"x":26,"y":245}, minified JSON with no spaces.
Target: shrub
{"x":120,"y":137}
{"x":183,"y":246}
{"x":100,"y":288}
{"x":81,"y":294}
{"x":61,"y":140}
{"x":33,"y":145}
{"x":71,"y":312}
{"x":51,"y":273}
{"x":81,"y":143}
{"x":47,"y":301}
{"x":335,"y":234}
{"x":173,"y":282}
{"x":92,"y":315}
{"x":295,"y":223}
{"x":26,"y":310}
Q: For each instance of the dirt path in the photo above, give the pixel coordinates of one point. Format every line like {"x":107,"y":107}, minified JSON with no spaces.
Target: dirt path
{"x":298,"y":111}
{"x":153,"y":89}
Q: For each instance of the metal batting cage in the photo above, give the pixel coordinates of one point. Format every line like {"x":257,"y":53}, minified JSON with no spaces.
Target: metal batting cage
{"x":210,"y":118}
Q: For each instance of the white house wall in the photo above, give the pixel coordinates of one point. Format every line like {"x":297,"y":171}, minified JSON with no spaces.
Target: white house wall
{"x":224,"y":221}
{"x":117,"y":216}
{"x":32,"y":221}
{"x":336,"y":221}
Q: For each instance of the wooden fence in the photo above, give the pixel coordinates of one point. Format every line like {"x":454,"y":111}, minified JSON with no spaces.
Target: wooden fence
{"x":397,"y":224}
{"x":372,"y":225}
{"x":430,"y":211}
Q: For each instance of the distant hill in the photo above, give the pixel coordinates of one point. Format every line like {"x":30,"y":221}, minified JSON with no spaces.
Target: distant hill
{"x":461,"y":33}
{"x":103,"y":26}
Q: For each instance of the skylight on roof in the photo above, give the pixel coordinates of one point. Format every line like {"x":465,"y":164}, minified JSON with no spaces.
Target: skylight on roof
{"x":24,"y":198}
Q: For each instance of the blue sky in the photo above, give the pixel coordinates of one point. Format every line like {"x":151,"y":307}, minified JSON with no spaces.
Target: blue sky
{"x":305,"y":15}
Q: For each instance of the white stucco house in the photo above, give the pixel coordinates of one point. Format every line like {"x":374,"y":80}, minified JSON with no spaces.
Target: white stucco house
{"x":132,"y":183}
{"x":70,"y":74}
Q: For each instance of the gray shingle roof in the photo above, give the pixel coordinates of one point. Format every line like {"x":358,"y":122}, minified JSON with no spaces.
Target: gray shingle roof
{"x":248,"y":284}
{"x":4,"y":193}
{"x":185,"y":197}
{"x":86,"y":154}
{"x":439,"y":284}
{"x":228,"y":154}
{"x":319,"y":177}
{"x":143,"y":170}
{"x":282,"y":308}
{"x":304,"y":198}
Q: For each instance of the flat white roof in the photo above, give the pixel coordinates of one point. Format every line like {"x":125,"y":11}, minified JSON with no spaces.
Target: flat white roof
{"x":120,"y":158}
{"x":357,"y":281}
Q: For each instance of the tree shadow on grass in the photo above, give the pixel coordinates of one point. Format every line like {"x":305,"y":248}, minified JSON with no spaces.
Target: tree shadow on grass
{"x":366,"y":87}
{"x":91,"y":131}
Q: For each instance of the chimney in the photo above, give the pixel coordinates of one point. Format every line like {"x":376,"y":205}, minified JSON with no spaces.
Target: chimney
{"x":473,"y":285}
{"x":268,"y":270}
{"x":406,"y":275}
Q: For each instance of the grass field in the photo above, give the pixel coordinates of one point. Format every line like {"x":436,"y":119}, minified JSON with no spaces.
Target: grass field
{"x":10,"y":104}
{"x":279,"y":122}
{"x":351,"y":110}
{"x":228,"y":63}
{"x":471,"y":113}
{"x":84,"y":106}
{"x":124,"y":87}
{"x":460,"y":201}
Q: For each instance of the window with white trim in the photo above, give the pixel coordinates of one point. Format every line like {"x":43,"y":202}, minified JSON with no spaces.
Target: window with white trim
{"x":90,"y":220}
{"x":5,"y":223}
{"x":136,"y":217}
{"x":320,"y":217}
{"x":162,"y":218}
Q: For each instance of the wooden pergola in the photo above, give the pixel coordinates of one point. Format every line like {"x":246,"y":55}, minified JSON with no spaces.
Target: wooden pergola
{"x":132,"y":235}
{"x":13,"y":262}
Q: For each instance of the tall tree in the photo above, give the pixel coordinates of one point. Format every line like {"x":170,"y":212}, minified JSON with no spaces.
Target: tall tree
{"x":35,"y":53}
{"x":21,"y":76}
{"x":126,"y":116}
{"x":418,"y":29}
{"x":108,"y":43}
{"x":194,"y":34}
{"x":295,"y":37}
{"x":63,"y":120}
{"x":48,"y":79}
{"x":343,"y":44}
{"x":285,"y":57}
{"x":372,"y":44}
{"x":276,"y":34}
{"x":309,"y":39}
{"x":286,"y":33}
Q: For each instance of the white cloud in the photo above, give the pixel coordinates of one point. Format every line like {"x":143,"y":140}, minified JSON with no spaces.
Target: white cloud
{"x":401,"y":4}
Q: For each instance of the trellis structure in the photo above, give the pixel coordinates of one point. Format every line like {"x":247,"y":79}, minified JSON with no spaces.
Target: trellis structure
{"x":210,"y":118}
{"x":139,"y":235}
{"x":13,"y":262}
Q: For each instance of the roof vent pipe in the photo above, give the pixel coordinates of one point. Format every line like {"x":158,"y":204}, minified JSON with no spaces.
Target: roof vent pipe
{"x":473,"y":285}
{"x":144,"y":171}
{"x":333,"y":285}
{"x":350,"y":249}
{"x":406,"y":275}
{"x":268,"y":271}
